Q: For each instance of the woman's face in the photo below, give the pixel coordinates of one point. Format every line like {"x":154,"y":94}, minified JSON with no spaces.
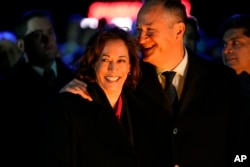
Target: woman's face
{"x":113,"y":66}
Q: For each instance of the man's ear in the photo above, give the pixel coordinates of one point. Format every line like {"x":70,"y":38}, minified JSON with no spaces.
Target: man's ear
{"x":20,"y":45}
{"x":180,"y":28}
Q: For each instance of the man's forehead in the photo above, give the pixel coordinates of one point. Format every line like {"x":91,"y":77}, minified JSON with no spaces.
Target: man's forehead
{"x":234,"y":32}
{"x":38,"y":24}
{"x":149,"y":9}
{"x":148,"y":17}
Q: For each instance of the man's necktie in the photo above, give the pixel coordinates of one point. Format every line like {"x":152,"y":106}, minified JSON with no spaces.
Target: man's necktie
{"x":49,"y":76}
{"x":170,"y":91}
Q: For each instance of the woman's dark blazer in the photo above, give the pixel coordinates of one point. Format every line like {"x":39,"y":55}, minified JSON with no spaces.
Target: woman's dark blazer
{"x":80,"y":133}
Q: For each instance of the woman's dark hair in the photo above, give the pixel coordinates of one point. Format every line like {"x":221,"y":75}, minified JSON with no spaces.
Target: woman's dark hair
{"x":95,"y":47}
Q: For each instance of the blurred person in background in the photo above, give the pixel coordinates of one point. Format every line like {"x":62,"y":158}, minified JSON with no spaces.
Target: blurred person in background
{"x":43,"y":72}
{"x":193,"y":38}
{"x":71,"y":49}
{"x":235,"y":35}
{"x":28,"y":85}
{"x":191,"y":35}
{"x":9,"y":52}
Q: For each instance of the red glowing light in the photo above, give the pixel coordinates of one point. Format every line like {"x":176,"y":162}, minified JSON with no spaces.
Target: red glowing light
{"x":110,"y":10}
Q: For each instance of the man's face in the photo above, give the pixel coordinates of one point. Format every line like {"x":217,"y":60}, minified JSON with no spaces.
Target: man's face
{"x":40,"y":40}
{"x":236,"y":51}
{"x":155,"y":33}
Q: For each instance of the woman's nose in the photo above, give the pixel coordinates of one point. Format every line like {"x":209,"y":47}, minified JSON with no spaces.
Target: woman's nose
{"x":112,"y":65}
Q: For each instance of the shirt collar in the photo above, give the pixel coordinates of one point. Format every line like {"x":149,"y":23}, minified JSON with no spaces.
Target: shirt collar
{"x":180,"y":68}
{"x":40,"y":70}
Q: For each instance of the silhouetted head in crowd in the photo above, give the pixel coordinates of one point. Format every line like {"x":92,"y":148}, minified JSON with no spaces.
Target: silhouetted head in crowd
{"x":102,"y":22}
{"x":9,"y":52}
{"x":191,"y":36}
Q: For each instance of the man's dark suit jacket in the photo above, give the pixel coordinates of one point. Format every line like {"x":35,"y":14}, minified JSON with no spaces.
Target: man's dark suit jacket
{"x":198,"y":135}
{"x":22,"y":75}
{"x":81,"y":133}
{"x":23,"y":95}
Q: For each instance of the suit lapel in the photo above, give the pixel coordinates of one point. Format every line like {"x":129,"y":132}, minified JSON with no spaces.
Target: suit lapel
{"x":195,"y":74}
{"x":146,"y":89}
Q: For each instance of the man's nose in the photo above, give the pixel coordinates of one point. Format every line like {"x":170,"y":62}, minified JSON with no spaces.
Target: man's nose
{"x":227,"y":49}
{"x":45,"y":38}
{"x":142,"y":38}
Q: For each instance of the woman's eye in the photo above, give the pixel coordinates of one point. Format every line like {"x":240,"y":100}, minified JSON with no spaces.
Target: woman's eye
{"x":105,"y":60}
{"x":121,"y":61}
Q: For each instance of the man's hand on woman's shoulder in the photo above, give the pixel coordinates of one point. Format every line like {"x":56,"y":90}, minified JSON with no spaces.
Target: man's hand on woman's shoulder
{"x":77,"y":87}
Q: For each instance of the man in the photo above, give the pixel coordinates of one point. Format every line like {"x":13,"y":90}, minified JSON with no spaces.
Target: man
{"x":37,"y":41}
{"x":235,"y":34}
{"x":195,"y":132}
{"x":25,"y":89}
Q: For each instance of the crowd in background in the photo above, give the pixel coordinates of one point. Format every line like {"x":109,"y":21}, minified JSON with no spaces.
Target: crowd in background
{"x":74,"y":38}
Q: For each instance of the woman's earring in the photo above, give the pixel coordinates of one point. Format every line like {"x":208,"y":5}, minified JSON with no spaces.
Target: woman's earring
{"x":129,"y":73}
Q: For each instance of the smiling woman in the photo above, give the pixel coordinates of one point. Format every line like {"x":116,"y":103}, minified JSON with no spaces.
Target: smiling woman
{"x":114,"y":129}
{"x":97,"y":49}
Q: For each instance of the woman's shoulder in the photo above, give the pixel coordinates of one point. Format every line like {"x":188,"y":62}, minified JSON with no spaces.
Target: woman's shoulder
{"x":68,"y":101}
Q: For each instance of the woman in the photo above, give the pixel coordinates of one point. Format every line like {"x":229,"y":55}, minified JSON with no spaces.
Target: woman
{"x":113,"y":130}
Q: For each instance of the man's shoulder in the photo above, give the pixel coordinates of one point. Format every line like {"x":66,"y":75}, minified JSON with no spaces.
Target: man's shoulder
{"x":210,"y":64}
{"x":145,"y":66}
{"x":64,"y":68}
{"x":20,"y":69}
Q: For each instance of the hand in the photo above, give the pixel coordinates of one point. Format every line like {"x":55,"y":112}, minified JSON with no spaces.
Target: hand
{"x":77,"y":87}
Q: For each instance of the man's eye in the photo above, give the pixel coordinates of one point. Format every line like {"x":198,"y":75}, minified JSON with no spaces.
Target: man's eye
{"x":150,"y":32}
{"x":138,"y":32}
{"x":37,"y":35}
{"x":33,"y":35}
{"x":224,"y":45}
{"x":235,"y":43}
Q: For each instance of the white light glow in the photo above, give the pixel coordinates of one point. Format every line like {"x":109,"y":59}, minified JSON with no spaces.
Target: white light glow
{"x":123,"y":22}
{"x":89,"y":23}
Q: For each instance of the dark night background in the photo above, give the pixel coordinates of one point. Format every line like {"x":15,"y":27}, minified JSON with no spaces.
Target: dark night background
{"x":208,"y":12}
